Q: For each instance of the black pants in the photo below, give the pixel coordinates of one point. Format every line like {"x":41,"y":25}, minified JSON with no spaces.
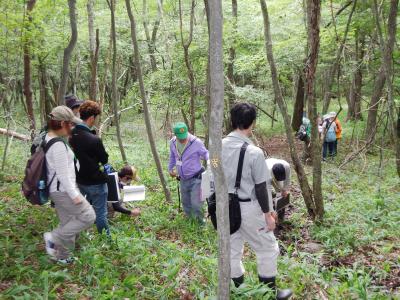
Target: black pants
{"x":328,"y":149}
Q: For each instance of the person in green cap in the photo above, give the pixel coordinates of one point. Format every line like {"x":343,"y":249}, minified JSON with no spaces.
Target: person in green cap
{"x":186,"y":153}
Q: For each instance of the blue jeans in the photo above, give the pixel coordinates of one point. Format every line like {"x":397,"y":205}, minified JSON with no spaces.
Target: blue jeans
{"x":191,"y":198}
{"x":328,"y":147}
{"x":97,"y":197}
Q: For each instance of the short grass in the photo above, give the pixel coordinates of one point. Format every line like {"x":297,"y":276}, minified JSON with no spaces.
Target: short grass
{"x":161,"y":255}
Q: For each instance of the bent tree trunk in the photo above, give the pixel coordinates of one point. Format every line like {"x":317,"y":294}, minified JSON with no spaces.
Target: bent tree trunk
{"x":216,"y":122}
{"x":313,"y":18}
{"x":146,"y":110}
{"x":185,"y":45}
{"x":27,"y":70}
{"x":111,"y":4}
{"x":68,"y":52}
{"x":299,"y":168}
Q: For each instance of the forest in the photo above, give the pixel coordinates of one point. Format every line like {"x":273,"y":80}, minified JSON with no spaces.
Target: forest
{"x":149,"y":64}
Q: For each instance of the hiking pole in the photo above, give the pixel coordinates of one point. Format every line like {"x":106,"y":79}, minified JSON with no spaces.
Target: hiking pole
{"x":179,"y":194}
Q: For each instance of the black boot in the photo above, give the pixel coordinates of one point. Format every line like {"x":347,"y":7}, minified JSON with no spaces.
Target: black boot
{"x":271,"y":283}
{"x":238,"y":281}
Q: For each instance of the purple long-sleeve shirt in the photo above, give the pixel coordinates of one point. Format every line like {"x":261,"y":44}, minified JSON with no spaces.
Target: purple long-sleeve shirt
{"x":188,"y":165}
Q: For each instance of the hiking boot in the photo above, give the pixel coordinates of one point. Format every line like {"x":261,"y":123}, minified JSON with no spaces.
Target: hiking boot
{"x":271,"y":283}
{"x":50,"y":246}
{"x":238,"y":281}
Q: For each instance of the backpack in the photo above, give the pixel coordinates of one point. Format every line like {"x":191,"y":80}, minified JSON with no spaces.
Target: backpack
{"x":302,"y":133}
{"x":330,"y":135}
{"x":35,"y":186}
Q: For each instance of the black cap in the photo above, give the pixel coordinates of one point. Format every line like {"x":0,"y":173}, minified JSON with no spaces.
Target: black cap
{"x":72,"y":101}
{"x":279,"y":172}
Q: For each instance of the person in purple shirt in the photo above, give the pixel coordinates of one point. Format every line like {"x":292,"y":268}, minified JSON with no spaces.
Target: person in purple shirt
{"x":186,"y":153}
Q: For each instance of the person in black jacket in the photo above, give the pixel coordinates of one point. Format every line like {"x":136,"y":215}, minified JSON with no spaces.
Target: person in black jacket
{"x":90,"y":152}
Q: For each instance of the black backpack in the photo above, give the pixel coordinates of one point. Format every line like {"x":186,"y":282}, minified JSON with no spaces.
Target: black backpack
{"x":235,"y":215}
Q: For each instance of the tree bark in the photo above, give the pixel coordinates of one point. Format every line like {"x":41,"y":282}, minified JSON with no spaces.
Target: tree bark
{"x":216,"y":122}
{"x":62,"y":89}
{"x":335,"y":65}
{"x":94,"y":44}
{"x":298,"y":109}
{"x":146,"y":110}
{"x":354,"y":111}
{"x":111,"y":5}
{"x":298,"y":166}
{"x":185,"y":45}
{"x":151,"y":39}
{"x":313,"y":20}
{"x":387,"y":53}
{"x":208,"y":83}
{"x":27,"y":70}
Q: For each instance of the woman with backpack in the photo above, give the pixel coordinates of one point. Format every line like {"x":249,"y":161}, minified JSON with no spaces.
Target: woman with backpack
{"x":74,"y":212}
{"x":329,"y":136}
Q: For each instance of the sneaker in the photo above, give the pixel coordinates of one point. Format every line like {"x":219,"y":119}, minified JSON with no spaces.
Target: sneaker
{"x":50,"y":246}
{"x":66,"y":261}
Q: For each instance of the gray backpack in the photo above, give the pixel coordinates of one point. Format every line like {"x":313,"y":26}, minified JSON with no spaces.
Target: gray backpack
{"x":35,"y":186}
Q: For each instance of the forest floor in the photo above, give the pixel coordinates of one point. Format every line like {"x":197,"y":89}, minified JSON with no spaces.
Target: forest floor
{"x":353,"y":254}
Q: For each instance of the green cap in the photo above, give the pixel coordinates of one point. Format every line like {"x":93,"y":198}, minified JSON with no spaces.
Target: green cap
{"x":181,"y":130}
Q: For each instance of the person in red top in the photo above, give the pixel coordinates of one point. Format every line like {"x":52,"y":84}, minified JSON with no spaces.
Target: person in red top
{"x":338,"y":131}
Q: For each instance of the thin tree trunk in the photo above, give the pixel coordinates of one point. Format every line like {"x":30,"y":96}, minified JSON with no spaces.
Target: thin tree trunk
{"x":111,"y":5}
{"x":146,"y":110}
{"x":298,"y":109}
{"x":186,"y":44}
{"x":314,"y":15}
{"x":62,"y":89}
{"x":208,"y":83}
{"x":94,"y":44}
{"x":27,"y":70}
{"x":354,"y":111}
{"x":387,"y":53}
{"x":299,"y":168}
{"x":216,"y":122}
{"x":151,"y":39}
{"x":334,"y":68}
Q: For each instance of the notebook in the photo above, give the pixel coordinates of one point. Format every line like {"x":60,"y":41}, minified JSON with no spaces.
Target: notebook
{"x":134,"y":193}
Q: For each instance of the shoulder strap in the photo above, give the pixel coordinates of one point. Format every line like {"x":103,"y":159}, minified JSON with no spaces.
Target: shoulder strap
{"x":240,"y":166}
{"x":51,"y":143}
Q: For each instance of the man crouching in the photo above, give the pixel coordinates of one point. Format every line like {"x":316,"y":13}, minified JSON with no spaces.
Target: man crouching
{"x":258,"y":218}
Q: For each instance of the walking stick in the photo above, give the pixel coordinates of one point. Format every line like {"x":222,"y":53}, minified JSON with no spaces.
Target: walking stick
{"x":179,"y":194}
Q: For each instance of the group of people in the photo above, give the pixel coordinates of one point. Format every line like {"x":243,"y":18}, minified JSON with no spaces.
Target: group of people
{"x":78,"y":188}
{"x":330,"y":133}
{"x":259,"y":177}
{"x":79,"y":191}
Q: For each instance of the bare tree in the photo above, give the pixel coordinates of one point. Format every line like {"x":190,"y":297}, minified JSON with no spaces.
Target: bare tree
{"x":186,"y":44}
{"x":216,"y":122}
{"x":313,"y":20}
{"x":151,"y":39}
{"x":146,"y":110}
{"x":94,"y":44}
{"x":111,"y":5}
{"x":334,"y":68}
{"x":27,"y":69}
{"x":68,"y":52}
{"x":298,"y":166}
{"x":387,"y":63}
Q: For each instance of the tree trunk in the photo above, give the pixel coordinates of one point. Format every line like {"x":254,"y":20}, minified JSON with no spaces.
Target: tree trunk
{"x":151,"y":39}
{"x":45,"y":97}
{"x":216,"y":122}
{"x":186,"y":44}
{"x":313,"y":16}
{"x":354,"y":111}
{"x":208,"y":83}
{"x":62,"y":89}
{"x":301,"y":175}
{"x":298,"y":109}
{"x":146,"y":110}
{"x":94,"y":44}
{"x":112,"y":4}
{"x":334,"y":68}
{"x":387,"y":63}
{"x":27,"y":70}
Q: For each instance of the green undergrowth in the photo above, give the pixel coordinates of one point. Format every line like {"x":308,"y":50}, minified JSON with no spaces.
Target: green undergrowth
{"x":162,"y":255}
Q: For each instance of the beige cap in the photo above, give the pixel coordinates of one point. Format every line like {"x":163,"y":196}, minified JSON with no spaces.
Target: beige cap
{"x":64,"y":113}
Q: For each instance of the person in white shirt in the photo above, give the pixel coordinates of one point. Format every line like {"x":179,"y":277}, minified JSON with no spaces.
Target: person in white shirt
{"x":74,"y":212}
